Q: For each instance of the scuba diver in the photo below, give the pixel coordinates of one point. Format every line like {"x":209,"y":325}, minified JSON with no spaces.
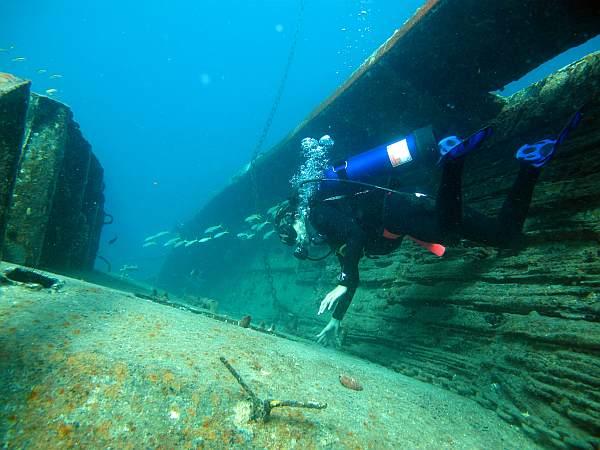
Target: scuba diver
{"x":343,"y":207}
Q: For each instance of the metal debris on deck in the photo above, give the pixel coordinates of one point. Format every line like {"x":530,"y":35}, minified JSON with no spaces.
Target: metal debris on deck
{"x":261,"y":409}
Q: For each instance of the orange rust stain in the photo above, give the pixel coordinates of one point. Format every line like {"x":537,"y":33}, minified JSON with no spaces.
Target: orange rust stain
{"x":168,"y":377}
{"x":153,"y":377}
{"x":121,"y":371}
{"x":7,"y":76}
{"x":34,"y":394}
{"x":76,"y":331}
{"x":64,"y":430}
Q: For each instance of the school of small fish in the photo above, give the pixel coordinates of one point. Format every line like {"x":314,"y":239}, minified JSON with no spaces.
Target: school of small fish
{"x":22,"y":59}
{"x":256,"y":223}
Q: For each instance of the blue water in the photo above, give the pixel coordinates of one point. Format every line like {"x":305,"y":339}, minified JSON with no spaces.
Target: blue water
{"x":173,"y":95}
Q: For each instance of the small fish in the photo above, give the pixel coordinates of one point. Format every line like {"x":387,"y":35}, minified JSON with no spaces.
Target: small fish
{"x":179,"y":244}
{"x":268,"y":234}
{"x":350,"y":383}
{"x":261,"y":226}
{"x":171,"y":241}
{"x":113,"y":240}
{"x":51,"y":91}
{"x":156,"y":236}
{"x":149,"y":244}
{"x":188,"y":243}
{"x":2,"y":50}
{"x":213,"y":229}
{"x":222,"y":233}
{"x":19,"y":59}
{"x":42,"y":71}
{"x":272,"y":211}
{"x":129,"y":268}
{"x":56,"y":76}
{"x":253,"y":218}
{"x":204,"y":239}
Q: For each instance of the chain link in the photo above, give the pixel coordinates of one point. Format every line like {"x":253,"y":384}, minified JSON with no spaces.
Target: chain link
{"x":261,"y":140}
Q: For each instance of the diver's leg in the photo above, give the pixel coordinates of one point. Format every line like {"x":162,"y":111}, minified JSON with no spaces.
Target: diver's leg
{"x":514,"y":210}
{"x":449,"y":207}
{"x":409,"y":214}
{"x":506,"y":229}
{"x":424,"y":218}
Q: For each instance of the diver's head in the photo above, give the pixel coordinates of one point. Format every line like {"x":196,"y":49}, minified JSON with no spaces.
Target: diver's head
{"x":291,"y":228}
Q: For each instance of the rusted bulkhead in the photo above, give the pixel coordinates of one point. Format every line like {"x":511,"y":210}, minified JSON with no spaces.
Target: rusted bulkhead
{"x":54,"y":185}
{"x":14,"y":97}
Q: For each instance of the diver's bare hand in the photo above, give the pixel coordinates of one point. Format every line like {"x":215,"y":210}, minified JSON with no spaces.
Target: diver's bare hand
{"x":331,"y":298}
{"x":330,"y":332}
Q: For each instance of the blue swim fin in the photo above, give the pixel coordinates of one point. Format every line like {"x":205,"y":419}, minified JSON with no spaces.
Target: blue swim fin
{"x":453,"y":147}
{"x":538,"y":154}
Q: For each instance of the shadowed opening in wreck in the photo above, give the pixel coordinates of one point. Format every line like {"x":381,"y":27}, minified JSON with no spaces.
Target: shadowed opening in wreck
{"x":29,"y":276}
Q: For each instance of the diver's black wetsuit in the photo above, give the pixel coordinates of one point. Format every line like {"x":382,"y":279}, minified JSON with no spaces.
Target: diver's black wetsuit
{"x":354,"y":225}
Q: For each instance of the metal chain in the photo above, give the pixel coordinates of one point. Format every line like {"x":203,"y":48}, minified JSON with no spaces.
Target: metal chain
{"x":261,"y":141}
{"x":280,"y":89}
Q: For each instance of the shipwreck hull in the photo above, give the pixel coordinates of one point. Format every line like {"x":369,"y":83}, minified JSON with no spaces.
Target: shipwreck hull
{"x":515,"y":331}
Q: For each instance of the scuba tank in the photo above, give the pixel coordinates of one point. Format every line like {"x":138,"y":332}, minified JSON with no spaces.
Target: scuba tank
{"x":414,"y":151}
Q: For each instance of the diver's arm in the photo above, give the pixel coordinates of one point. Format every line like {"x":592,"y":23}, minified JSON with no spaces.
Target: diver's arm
{"x":341,"y":228}
{"x":331,"y":298}
{"x":329,"y":333}
{"x":343,"y":304}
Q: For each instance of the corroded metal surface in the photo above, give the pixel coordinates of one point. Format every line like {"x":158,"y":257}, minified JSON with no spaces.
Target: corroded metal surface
{"x":90,"y":367}
{"x":33,"y":195}
{"x":56,"y":210}
{"x":64,"y":225}
{"x":14,"y":97}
